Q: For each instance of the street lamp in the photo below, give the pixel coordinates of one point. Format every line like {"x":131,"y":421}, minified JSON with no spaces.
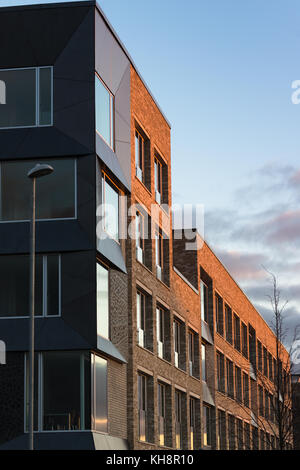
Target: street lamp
{"x":37,"y":172}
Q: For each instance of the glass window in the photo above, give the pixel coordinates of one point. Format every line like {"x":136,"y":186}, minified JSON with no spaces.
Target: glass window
{"x":110,"y":197}
{"x":206,"y":426}
{"x":259,"y":356}
{"x":102,"y":301}
{"x":139,"y":156}
{"x":158,"y":180}
{"x":15,"y":276}
{"x":228,"y":321}
{"x":24,"y":106}
{"x":100,"y":412}
{"x":63,"y":394}
{"x":160,"y":331}
{"x":244,"y":340}
{"x":142,"y":401}
{"x":246,"y":389}
{"x":141,"y":318}
{"x":161,"y":392}
{"x":178,"y":419}
{"x":237,"y":333}
{"x":230,"y":379}
{"x":159,"y":254}
{"x":176,"y":327}
{"x":139,"y":220}
{"x":192,"y":353}
{"x":219,"y":314}
{"x":220,"y":372}
{"x":203,"y":358}
{"x":204,"y":301}
{"x":55,"y":194}
{"x":193,"y":424}
{"x":104,"y":112}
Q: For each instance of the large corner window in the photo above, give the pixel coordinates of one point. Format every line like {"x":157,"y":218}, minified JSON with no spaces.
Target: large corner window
{"x":104,"y":112}
{"x":70,"y":391}
{"x":62,"y":391}
{"x":55,"y":196}
{"x":102,"y":300}
{"x":110,"y":198}
{"x":15,"y":276}
{"x":28,"y":97}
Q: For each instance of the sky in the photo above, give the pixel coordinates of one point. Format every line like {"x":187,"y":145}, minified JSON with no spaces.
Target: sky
{"x":222,"y":71}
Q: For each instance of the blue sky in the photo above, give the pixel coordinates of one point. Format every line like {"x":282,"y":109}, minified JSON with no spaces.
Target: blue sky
{"x":222,"y":72}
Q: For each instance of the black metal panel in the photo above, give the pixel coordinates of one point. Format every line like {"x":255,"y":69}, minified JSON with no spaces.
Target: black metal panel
{"x":87,"y":440}
{"x":62,"y":37}
{"x":79,"y":294}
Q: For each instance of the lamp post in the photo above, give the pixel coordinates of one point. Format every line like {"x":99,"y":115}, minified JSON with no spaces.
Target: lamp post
{"x":37,"y":172}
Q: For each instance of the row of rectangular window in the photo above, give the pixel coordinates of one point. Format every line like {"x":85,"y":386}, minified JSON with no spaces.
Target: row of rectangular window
{"x":145,"y":336}
{"x":236,"y":434}
{"x":143,"y":168}
{"x":164,"y":416}
{"x":70,"y":391}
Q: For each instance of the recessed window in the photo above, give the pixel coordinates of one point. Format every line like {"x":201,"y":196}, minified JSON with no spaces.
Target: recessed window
{"x":104,"y":112}
{"x":203,"y":360}
{"x":204,"y":301}
{"x":228,"y":323}
{"x":259,"y":355}
{"x":55,"y":193}
{"x":237,"y":333}
{"x":230,"y":378}
{"x":15,"y":276}
{"x":207,"y":425}
{"x":144,"y":320}
{"x":160,"y":331}
{"x":244,"y":340}
{"x":140,"y":243}
{"x":193,"y":356}
{"x":246,"y":389}
{"x":139,"y":156}
{"x":238,"y":384}
{"x":179,"y":410}
{"x":158,"y":180}
{"x":219,"y":314}
{"x":220,"y":372}
{"x":195,"y":429}
{"x":102,"y":300}
{"x":29,"y":97}
{"x":179,"y":343}
{"x":161,"y":394}
{"x":110,"y":199}
{"x":62,"y":388}
{"x":159,"y":254}
{"x":145,"y":407}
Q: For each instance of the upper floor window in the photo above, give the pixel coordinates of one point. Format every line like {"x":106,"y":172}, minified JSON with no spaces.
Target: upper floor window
{"x":220,"y":372}
{"x":265,"y":356}
{"x":259,"y":355}
{"x":219,"y":314}
{"x":237,"y":333}
{"x":110,"y":198}
{"x":14,"y":275}
{"x":144,"y":320}
{"x":104,"y":112}
{"x":204,"y":301}
{"x":56,"y":194}
{"x":244,"y":340}
{"x":228,"y":321}
{"x":28,"y":97}
{"x":230,"y":378}
{"x":139,"y":156}
{"x":102,"y":300}
{"x":193,"y":356}
{"x":159,"y":254}
{"x":140,"y":242}
{"x":158,"y":180}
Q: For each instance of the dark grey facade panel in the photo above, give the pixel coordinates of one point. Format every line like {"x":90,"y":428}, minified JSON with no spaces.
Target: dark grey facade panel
{"x":77,"y":440}
{"x":51,"y":334}
{"x":109,"y":349}
{"x":205,"y":332}
{"x":112,"y":161}
{"x":63,"y":38}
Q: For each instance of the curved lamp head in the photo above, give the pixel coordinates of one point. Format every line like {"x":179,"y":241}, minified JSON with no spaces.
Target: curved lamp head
{"x":40,"y":170}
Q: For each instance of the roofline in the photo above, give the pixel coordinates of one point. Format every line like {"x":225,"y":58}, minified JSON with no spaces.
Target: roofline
{"x":235,"y":282}
{"x":96,"y":4}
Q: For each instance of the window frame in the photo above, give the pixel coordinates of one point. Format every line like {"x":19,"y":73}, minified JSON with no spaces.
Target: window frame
{"x":112,"y":113}
{"x":37,"y":96}
{"x":207,"y":428}
{"x":140,"y":240}
{"x":138,"y":136}
{"x":104,"y":177}
{"x":159,"y":253}
{"x":45,"y":289}
{"x":34,"y":161}
{"x":158,"y":179}
{"x":204,"y":301}
{"x":106,"y":267}
{"x":219,"y":314}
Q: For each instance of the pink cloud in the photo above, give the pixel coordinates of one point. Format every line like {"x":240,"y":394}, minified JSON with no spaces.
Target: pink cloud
{"x":243,"y":266}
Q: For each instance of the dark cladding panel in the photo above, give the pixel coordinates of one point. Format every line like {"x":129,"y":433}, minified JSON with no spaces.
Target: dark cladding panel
{"x":79,"y":293}
{"x":61,"y":36}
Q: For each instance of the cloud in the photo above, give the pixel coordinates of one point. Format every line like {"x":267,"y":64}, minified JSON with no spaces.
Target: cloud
{"x":243,"y":266}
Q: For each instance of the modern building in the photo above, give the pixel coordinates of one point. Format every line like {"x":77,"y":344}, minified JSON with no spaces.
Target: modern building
{"x":140,"y":343}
